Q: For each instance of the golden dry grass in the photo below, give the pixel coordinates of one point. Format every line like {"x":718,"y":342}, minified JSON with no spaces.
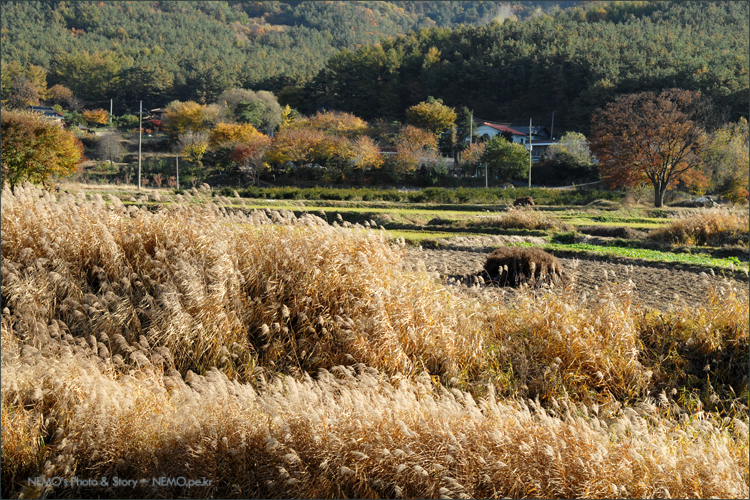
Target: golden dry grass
{"x":523,"y":218}
{"x":355,"y":433}
{"x":211,"y":289}
{"x":712,"y":227}
{"x":195,"y":341}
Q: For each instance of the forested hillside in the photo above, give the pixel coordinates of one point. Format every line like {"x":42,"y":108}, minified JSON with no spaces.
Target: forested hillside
{"x":504,"y":61}
{"x":161,"y":51}
{"x":570,"y":63}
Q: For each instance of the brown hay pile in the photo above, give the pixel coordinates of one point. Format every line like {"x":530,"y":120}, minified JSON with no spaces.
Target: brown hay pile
{"x":514,"y":266}
{"x":523,"y":201}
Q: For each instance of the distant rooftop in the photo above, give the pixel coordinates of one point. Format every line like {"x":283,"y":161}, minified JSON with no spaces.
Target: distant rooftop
{"x":47,"y":112}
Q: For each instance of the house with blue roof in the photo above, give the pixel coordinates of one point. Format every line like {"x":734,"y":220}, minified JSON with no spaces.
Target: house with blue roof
{"x":47,"y":112}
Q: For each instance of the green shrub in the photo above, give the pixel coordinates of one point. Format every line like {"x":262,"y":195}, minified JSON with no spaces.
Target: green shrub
{"x":126,"y":121}
{"x":461,"y":195}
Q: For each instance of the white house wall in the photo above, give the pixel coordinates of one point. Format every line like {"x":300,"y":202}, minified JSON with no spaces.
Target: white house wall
{"x":492,"y":132}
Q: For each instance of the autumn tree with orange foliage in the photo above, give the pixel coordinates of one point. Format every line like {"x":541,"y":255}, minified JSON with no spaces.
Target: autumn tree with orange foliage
{"x":34,"y":149}
{"x":248,"y":155}
{"x":365,"y":154}
{"x":238,"y":148}
{"x":294,"y":145}
{"x":96,"y":116}
{"x":654,"y":137}
{"x":471,"y":157}
{"x":333,"y":122}
{"x":413,"y":145}
{"x":230,"y":133}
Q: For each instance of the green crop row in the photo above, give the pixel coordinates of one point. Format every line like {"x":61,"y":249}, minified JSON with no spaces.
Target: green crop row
{"x":461,"y":195}
{"x":646,"y":254}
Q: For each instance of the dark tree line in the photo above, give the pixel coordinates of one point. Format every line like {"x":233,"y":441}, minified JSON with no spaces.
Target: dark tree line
{"x":571,"y":63}
{"x":164,"y":51}
{"x":376,"y":59}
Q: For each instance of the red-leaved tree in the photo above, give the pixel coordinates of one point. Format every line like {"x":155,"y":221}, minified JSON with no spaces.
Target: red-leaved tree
{"x":248,"y":155}
{"x":651,"y":137}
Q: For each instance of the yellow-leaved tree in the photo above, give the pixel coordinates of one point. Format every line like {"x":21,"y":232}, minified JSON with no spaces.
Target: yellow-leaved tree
{"x":35,"y":149}
{"x":365,"y":155}
{"x":96,"y":116}
{"x":193,"y":145}
{"x":431,"y":115}
{"x":288,"y":115}
{"x":22,"y":86}
{"x":231,"y":133}
{"x":294,"y":145}
{"x":726,"y":155}
{"x":336,"y":122}
{"x":183,"y":117}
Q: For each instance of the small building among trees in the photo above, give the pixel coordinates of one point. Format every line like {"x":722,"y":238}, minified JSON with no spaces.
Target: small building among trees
{"x":158,"y":114}
{"x":541,"y":138}
{"x":47,"y":112}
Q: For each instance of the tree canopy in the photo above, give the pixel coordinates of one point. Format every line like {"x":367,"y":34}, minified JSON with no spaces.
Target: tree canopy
{"x":377,"y":59}
{"x":726,"y":154}
{"x":231,"y":133}
{"x":35,"y":149}
{"x":504,"y":159}
{"x":109,"y":147}
{"x":573,"y":148}
{"x":96,"y":116}
{"x":22,"y":86}
{"x":654,"y":137}
{"x":432,"y":115}
{"x":260,"y":109}
{"x":571,"y":63}
{"x":163,"y":51}
{"x":183,"y":117}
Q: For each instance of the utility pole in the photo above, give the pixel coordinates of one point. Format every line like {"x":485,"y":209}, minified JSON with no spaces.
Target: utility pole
{"x":110,"y":111}
{"x":177,"y":165}
{"x":552,"y":128}
{"x":530,"y":152}
{"x":471,"y":128}
{"x":140,"y":133}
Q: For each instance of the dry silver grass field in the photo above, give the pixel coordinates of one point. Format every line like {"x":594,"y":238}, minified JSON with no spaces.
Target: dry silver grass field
{"x":709,"y":227}
{"x":279,"y":356}
{"x":523,"y":218}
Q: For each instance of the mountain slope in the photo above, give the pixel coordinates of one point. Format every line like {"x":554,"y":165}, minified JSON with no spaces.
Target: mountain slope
{"x":160,"y":51}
